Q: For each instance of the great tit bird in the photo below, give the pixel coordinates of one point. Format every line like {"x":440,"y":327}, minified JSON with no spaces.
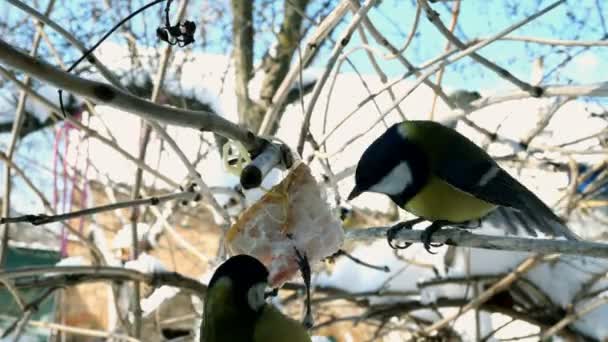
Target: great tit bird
{"x":441,"y":176}
{"x":236,"y":310}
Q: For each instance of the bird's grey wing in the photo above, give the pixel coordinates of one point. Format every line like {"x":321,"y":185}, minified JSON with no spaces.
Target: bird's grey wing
{"x":487,"y":181}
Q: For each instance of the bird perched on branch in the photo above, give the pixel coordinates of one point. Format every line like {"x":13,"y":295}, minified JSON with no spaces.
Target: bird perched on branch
{"x":236,"y":309}
{"x":441,"y":176}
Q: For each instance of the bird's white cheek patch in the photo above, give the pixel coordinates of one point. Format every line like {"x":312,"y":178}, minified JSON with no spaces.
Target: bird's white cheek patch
{"x":255,"y":296}
{"x":395,"y":181}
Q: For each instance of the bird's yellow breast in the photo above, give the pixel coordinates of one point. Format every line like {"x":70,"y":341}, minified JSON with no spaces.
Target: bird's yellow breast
{"x":438,"y":200}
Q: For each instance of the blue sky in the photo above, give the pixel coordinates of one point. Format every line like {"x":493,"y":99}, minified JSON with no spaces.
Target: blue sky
{"x":484,"y":18}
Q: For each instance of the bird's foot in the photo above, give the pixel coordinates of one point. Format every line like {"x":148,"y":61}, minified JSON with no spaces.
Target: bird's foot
{"x":394,"y":230}
{"x":427,"y":235}
{"x":304,"y":265}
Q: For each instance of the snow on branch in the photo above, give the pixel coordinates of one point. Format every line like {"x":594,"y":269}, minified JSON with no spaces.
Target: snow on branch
{"x":463,"y":238}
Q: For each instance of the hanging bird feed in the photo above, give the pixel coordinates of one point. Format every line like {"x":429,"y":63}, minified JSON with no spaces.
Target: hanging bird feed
{"x":293,"y":214}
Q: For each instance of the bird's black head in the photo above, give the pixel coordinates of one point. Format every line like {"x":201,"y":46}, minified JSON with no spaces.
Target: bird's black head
{"x":248,"y":277}
{"x":391,"y":165}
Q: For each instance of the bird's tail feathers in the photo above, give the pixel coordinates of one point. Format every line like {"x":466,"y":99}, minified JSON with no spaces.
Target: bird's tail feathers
{"x":541,"y":217}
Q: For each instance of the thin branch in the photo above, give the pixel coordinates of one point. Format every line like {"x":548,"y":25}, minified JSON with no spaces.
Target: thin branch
{"x":504,"y":73}
{"x":45,"y":219}
{"x":62,"y":276}
{"x":557,"y":42}
{"x":467,"y":52}
{"x":19,"y":325}
{"x":342,"y":42}
{"x":547,"y":334}
{"x":173,"y":234}
{"x":278,"y":100}
{"x":544,"y":121}
{"x":410,"y":36}
{"x":378,"y":69}
{"x":105,"y":72}
{"x":50,"y":209}
{"x":14,"y":292}
{"x":117,"y":98}
{"x":360,"y":105}
{"x":450,"y":58}
{"x":448,"y":45}
{"x":17,"y":124}
{"x":593,"y":89}
{"x":499,"y":286}
{"x":82,"y":331}
{"x":380,"y":39}
{"x":463,"y":238}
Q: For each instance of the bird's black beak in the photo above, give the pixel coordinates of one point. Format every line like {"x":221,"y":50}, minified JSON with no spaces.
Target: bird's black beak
{"x":354,"y":193}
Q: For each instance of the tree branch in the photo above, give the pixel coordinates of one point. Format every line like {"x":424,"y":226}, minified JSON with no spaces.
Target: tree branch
{"x":560,"y":42}
{"x":74,"y":275}
{"x":277,"y":63}
{"x":114,"y":97}
{"x":463,"y":238}
{"x":242,"y":52}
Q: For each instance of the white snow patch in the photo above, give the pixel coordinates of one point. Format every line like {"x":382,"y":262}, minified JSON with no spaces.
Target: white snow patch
{"x":147,"y":264}
{"x":73,"y":261}
{"x":159,"y":296}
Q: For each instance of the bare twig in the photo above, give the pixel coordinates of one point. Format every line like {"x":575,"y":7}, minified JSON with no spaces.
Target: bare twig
{"x":14,"y":292}
{"x":557,"y":42}
{"x":547,"y":334}
{"x":593,"y":89}
{"x":342,"y":42}
{"x":50,"y":209}
{"x":19,"y":324}
{"x":278,"y":100}
{"x":499,"y":286}
{"x":63,"y":32}
{"x":544,"y":121}
{"x":62,"y":276}
{"x":380,"y":39}
{"x":434,"y":18}
{"x":410,"y":36}
{"x":448,"y":45}
{"x":467,"y":52}
{"x":44,"y":219}
{"x":183,"y":243}
{"x":82,"y":331}
{"x":17,"y":123}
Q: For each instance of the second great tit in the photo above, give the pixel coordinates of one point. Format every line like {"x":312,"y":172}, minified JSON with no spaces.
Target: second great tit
{"x":236,"y":310}
{"x":441,"y":176}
